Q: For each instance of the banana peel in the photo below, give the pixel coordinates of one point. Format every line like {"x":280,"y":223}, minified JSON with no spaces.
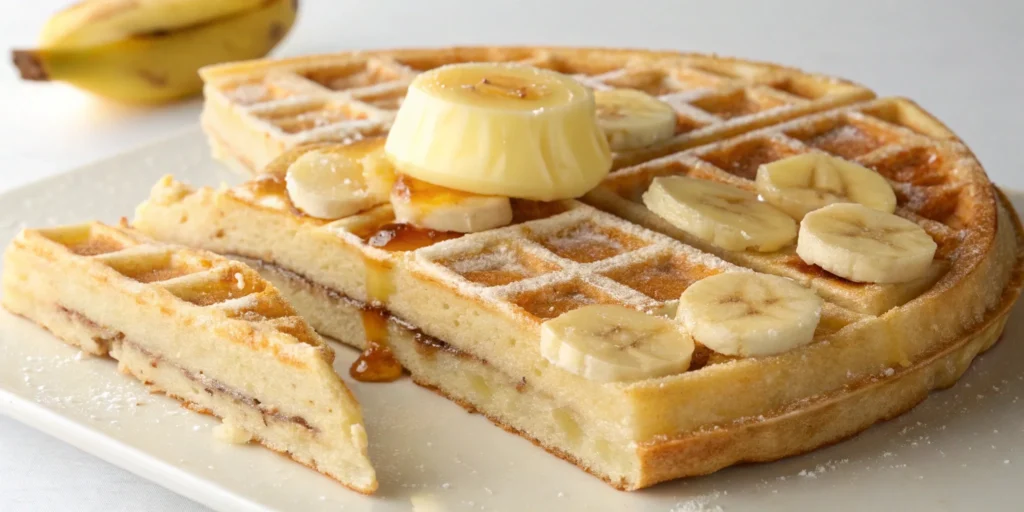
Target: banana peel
{"x":152,"y":56}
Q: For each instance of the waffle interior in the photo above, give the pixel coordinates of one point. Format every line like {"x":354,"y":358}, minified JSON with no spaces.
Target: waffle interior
{"x":479,"y":299}
{"x":256,"y":110}
{"x":204,"y":329}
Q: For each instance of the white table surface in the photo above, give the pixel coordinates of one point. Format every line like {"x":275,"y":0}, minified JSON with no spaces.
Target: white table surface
{"x":960,"y":60}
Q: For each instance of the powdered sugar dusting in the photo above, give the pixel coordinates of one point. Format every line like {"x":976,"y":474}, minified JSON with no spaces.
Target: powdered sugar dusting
{"x":502,"y":257}
{"x":702,"y":503}
{"x":248,"y":94}
{"x":107,"y":399}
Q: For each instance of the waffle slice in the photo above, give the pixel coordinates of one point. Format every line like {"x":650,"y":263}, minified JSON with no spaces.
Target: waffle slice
{"x":205,"y":330}
{"x":255,"y":110}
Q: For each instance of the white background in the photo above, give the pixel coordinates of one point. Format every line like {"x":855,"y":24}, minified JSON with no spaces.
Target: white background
{"x":960,"y":60}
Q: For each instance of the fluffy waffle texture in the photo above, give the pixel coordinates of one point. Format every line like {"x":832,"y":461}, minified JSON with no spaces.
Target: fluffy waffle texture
{"x":255,"y":110}
{"x":464,"y":313}
{"x":205,"y":330}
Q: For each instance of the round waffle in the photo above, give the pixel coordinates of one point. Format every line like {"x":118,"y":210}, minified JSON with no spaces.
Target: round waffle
{"x":879,"y":349}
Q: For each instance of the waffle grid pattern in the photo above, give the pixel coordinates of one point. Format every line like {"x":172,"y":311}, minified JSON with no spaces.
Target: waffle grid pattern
{"x":541,"y":268}
{"x":348,"y":97}
{"x":928,"y":173}
{"x":223,"y":288}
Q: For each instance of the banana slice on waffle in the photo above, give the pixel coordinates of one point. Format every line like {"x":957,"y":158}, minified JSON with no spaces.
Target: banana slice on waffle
{"x":443,"y":209}
{"x":749,"y":313}
{"x":722,"y":215}
{"x":803,"y":183}
{"x":865,"y":245}
{"x":331,"y":185}
{"x":500,"y":129}
{"x":632,"y":119}
{"x":608,"y":343}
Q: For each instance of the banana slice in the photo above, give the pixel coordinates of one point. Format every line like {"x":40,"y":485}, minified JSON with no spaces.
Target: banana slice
{"x":803,"y":183}
{"x":329,"y":185}
{"x":749,"y":314}
{"x":865,"y":245}
{"x":608,"y":343}
{"x":379,"y":173}
{"x":443,"y":209}
{"x":726,"y":216}
{"x":632,"y":119}
{"x":500,"y":129}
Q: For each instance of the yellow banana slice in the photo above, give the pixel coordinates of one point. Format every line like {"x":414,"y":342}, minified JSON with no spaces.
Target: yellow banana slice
{"x":632,"y":119}
{"x":749,"y":314}
{"x":330,"y":185}
{"x":726,"y":216}
{"x":608,"y":343}
{"x":443,"y":209}
{"x":865,"y":245}
{"x":380,"y":175}
{"x":803,"y":183}
{"x":500,"y":129}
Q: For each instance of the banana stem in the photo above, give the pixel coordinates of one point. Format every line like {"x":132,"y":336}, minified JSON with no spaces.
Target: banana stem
{"x":29,"y":65}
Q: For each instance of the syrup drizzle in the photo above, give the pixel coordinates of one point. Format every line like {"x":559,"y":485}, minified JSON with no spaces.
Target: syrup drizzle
{"x":377,"y":363}
{"x":396,"y":237}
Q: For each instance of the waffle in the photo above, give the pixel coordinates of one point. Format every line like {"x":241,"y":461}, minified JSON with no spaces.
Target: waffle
{"x":198,"y":327}
{"x":462,"y":313}
{"x":255,"y":110}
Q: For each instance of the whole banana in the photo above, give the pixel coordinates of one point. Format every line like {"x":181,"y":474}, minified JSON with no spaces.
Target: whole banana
{"x":149,"y":51}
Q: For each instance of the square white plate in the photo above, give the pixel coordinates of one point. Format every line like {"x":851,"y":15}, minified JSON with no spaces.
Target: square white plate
{"x":958,"y":450}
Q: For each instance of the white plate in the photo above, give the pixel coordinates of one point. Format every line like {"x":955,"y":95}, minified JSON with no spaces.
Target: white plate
{"x":958,"y":450}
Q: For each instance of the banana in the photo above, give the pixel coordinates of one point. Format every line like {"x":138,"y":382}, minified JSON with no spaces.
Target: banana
{"x":443,"y":209}
{"x":330,"y":185}
{"x":803,"y":183}
{"x":865,"y":245}
{"x":96,"y":22}
{"x":149,"y":51}
{"x":500,"y":130}
{"x":749,"y":314}
{"x":722,"y":215}
{"x":632,"y":119}
{"x":379,"y":172}
{"x":607,"y":343}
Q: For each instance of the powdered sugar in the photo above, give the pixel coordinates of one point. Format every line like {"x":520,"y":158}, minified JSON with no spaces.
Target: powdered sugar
{"x":702,"y":503}
{"x":501,"y":257}
{"x":248,"y":94}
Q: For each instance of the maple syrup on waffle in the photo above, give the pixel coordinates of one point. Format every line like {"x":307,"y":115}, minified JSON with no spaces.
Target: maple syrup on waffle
{"x":267,"y":185}
{"x":397,"y":237}
{"x":377,"y":363}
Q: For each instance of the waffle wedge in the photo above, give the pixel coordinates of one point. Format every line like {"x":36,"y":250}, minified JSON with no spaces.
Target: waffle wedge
{"x":256,"y":110}
{"x":205,"y":330}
